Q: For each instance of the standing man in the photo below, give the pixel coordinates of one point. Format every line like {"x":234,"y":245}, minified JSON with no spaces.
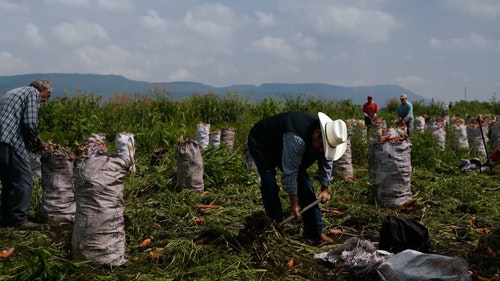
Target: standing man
{"x":405,"y":113}
{"x":18,"y":135}
{"x":370,"y":110}
{"x":292,"y":142}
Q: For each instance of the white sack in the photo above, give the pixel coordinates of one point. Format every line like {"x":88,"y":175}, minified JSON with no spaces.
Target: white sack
{"x":203,"y":134}
{"x":411,"y":265}
{"x":125,"y":148}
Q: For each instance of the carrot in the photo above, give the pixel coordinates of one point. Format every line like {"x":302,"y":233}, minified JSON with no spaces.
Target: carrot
{"x":6,"y":253}
{"x":336,"y":212}
{"x":199,"y":221}
{"x":202,"y":240}
{"x":154,"y":255}
{"x":484,"y":230}
{"x":290,"y":263}
{"x":145,"y":243}
{"x":335,"y":231}
{"x":203,"y":206}
{"x":490,"y":251}
{"x":453,"y":227}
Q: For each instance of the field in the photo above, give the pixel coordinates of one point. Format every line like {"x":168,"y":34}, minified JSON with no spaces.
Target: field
{"x":236,"y":241}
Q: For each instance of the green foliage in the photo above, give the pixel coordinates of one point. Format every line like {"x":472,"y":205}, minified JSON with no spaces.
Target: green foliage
{"x":223,"y":166}
{"x":473,"y":108}
{"x":155,"y":208}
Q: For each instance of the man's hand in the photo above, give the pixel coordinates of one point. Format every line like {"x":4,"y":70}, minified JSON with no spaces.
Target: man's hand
{"x":294,"y":207}
{"x":324,"y":195}
{"x":39,"y":147}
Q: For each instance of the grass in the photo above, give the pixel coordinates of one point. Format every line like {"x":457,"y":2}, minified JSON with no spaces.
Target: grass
{"x":239,"y":243}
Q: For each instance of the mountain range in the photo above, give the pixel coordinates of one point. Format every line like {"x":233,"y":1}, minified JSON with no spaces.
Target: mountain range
{"x":68,"y":84}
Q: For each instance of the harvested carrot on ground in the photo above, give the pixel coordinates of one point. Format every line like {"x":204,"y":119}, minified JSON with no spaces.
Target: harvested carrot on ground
{"x":199,"y":221}
{"x":336,"y":212}
{"x":6,"y":253}
{"x":145,"y":243}
{"x":484,"y":230}
{"x":290,"y":263}
{"x":154,"y":255}
{"x":490,"y":251}
{"x":202,"y":240}
{"x":335,"y":231}
{"x":204,"y":206}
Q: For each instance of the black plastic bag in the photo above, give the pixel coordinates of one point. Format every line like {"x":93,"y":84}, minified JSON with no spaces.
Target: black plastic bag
{"x":398,"y":234}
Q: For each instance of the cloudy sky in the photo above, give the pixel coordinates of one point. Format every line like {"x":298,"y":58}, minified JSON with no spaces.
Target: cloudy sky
{"x":443,"y":49}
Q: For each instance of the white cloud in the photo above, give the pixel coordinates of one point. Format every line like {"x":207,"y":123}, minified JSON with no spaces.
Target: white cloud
{"x":358,"y":20}
{"x":8,"y":7}
{"x":108,"y":60}
{"x":74,"y":3}
{"x":12,"y":65}
{"x":276,"y":47}
{"x":79,"y":32}
{"x":180,"y":75}
{"x":153,"y":20}
{"x":115,"y":5}
{"x":411,"y":81}
{"x":472,"y":43}
{"x":33,"y":35}
{"x":110,"y":5}
{"x":476,"y":8}
{"x":304,"y":41}
{"x":312,"y":55}
{"x":264,"y":19}
{"x":211,"y":21}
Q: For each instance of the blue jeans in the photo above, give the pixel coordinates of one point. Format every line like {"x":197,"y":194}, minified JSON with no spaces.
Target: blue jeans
{"x":312,"y":218}
{"x":17,"y":185}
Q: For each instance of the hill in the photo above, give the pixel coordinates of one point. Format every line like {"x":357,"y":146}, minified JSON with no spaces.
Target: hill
{"x":67,"y":84}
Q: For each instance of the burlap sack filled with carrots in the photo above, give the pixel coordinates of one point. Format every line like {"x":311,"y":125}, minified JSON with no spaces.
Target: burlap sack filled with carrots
{"x":495,"y":135}
{"x":99,"y":229}
{"x":58,"y":198}
{"x":475,"y":139}
{"x":459,"y":135}
{"x":437,"y":126}
{"x":393,"y":172}
{"x":227,"y":137}
{"x":342,"y":168}
{"x":189,"y":165}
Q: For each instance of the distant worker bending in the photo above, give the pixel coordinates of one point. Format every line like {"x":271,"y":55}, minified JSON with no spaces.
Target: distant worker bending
{"x":405,"y":113}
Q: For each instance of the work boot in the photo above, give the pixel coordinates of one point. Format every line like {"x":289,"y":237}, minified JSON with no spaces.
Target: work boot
{"x":29,"y":225}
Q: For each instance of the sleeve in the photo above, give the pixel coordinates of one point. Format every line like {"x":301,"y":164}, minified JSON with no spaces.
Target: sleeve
{"x":410,"y":112}
{"x":29,"y":122}
{"x":293,"y":151}
{"x":325,"y":169}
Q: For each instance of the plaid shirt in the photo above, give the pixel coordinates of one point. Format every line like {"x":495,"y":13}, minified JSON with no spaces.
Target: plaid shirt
{"x":294,"y":148}
{"x":19,"y":119}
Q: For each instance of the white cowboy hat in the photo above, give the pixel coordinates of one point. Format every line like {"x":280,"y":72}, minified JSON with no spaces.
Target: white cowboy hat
{"x":334,"y":135}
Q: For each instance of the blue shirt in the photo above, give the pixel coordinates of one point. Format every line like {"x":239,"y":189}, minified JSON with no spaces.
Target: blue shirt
{"x":19,"y":119}
{"x":405,"y":111}
{"x":293,"y":151}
